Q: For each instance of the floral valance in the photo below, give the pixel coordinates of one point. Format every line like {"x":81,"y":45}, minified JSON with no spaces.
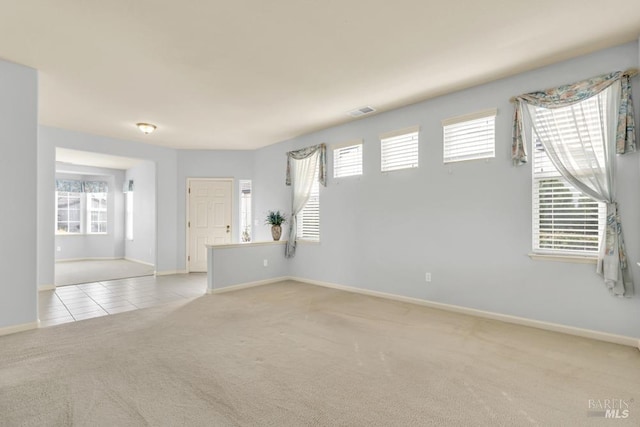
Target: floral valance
{"x":303,"y":154}
{"x":77,"y":186}
{"x":69,"y":185}
{"x":128,"y":186}
{"x":566,"y":95}
{"x":96,"y":187}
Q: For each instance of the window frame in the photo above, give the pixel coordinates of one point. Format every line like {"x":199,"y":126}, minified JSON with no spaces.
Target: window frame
{"x":351,"y":167}
{"x":99,"y":210}
{"x":387,"y":142}
{"x":245,"y":210}
{"x":80,"y":222}
{"x":463,"y":127}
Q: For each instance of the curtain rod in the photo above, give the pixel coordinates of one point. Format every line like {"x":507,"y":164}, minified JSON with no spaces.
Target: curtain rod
{"x":631,"y":72}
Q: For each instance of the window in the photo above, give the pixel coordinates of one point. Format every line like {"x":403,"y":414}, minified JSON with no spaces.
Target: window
{"x":96,"y":213}
{"x":68,"y":208}
{"x":469,"y":137}
{"x":245,"y":210}
{"x":128,"y":223}
{"x":347,"y":160}
{"x":81,"y":206}
{"x":565,"y":221}
{"x":309,"y":217}
{"x":399,"y":149}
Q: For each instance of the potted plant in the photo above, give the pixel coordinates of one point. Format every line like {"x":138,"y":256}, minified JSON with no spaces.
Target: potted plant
{"x":275,"y":219}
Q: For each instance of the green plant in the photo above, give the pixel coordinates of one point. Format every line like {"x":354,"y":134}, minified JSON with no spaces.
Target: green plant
{"x":275,"y":218}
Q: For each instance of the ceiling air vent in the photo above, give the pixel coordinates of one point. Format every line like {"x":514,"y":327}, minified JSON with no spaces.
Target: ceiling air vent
{"x":361,"y":111}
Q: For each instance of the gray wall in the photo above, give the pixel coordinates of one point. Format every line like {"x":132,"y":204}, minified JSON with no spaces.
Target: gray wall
{"x":209,"y":164}
{"x":18,"y":172}
{"x":110,"y":245}
{"x":143,"y":246}
{"x":236,"y":265}
{"x":165,"y":160}
{"x":468,"y":224}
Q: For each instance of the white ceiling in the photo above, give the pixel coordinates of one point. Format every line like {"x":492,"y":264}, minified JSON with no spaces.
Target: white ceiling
{"x":243,"y":74}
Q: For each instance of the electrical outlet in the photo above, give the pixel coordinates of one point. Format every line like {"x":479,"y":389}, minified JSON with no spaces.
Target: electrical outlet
{"x":58,"y":248}
{"x":427,"y":277}
{"x":265,"y":262}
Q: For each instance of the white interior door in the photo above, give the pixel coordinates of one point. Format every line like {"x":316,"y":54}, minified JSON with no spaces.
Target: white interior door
{"x":209,"y":218}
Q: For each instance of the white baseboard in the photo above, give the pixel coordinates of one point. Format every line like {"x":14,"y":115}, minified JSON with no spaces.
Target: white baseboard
{"x":247,"y":285}
{"x":170,"y":272}
{"x":105,"y":258}
{"x":555,"y":327}
{"x":50,"y":287}
{"x":18,"y":328}
{"x":139,"y":262}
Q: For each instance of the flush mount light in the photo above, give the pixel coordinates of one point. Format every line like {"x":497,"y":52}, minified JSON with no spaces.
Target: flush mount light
{"x":146,"y":128}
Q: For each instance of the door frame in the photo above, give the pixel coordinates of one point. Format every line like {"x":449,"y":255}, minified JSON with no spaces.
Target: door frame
{"x":188,"y":214}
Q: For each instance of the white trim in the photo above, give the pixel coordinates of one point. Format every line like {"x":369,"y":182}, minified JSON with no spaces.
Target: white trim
{"x":248,"y":285}
{"x":50,"y":287}
{"x":171,"y":272}
{"x":399,"y":132}
{"x":105,"y":258}
{"x":138,"y":261}
{"x":548,"y":326}
{"x":490,"y":112}
{"x":350,"y":143}
{"x":576,"y":259}
{"x":248,"y":244}
{"x":18,"y":328}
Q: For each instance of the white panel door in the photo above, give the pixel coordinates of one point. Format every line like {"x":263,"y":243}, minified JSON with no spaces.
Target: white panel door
{"x":209,"y":219}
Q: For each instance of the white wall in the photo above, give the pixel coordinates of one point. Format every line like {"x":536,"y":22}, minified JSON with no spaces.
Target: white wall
{"x":110,"y":245}
{"x":209,"y":164}
{"x":468,"y":224}
{"x":143,"y":246}
{"x":165,"y":160}
{"x":18,"y":172}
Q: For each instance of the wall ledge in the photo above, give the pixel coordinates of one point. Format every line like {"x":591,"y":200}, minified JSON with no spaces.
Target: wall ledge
{"x":246,"y":245}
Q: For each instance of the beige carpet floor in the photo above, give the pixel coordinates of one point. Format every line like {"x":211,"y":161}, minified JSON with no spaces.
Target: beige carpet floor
{"x":87,"y":271}
{"x":292,"y":354}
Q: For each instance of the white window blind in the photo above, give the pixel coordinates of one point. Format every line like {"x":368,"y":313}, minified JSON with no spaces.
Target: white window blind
{"x":565,"y":221}
{"x":347,"y":160}
{"x":470,"y":137}
{"x":309,"y":217}
{"x":399,"y":149}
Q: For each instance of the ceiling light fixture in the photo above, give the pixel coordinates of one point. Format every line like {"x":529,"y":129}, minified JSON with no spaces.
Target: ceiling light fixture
{"x":146,"y":128}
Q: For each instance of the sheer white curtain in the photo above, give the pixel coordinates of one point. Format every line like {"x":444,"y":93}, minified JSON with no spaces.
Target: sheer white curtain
{"x":302,"y":174}
{"x":580,"y":140}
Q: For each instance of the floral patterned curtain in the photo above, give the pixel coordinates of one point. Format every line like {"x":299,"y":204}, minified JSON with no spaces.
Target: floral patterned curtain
{"x":583,"y":155}
{"x":302,"y":166}
{"x":303,"y":154}
{"x":572,"y":93}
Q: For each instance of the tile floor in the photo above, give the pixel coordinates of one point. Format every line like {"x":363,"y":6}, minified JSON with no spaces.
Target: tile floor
{"x":78,"y":302}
